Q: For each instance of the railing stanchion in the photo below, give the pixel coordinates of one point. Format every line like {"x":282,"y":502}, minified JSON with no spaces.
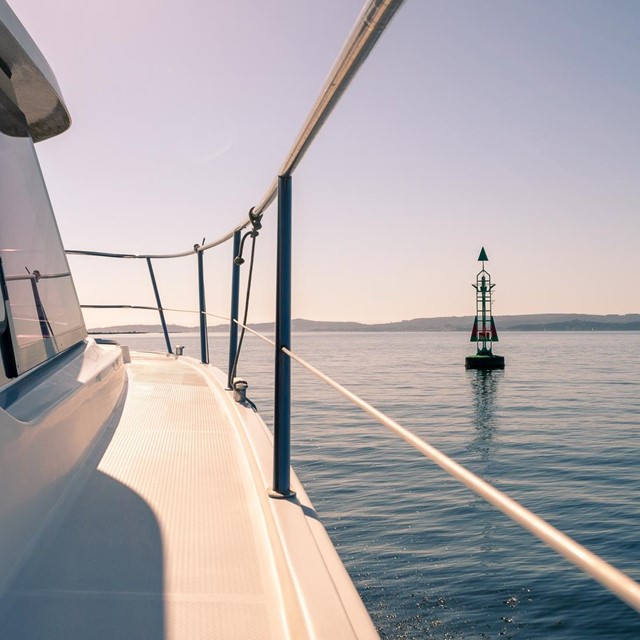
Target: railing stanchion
{"x":235,"y":303}
{"x":204,"y":338}
{"x":282,"y":400}
{"x":160,"y":310}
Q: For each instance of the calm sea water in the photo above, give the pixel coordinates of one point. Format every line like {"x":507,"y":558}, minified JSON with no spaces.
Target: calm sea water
{"x":558,"y":429}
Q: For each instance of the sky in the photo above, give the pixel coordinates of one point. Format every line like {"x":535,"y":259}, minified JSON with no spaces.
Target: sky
{"x":511,"y":125}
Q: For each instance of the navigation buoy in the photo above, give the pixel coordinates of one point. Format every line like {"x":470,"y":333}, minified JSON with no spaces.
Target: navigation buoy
{"x":484,"y":332}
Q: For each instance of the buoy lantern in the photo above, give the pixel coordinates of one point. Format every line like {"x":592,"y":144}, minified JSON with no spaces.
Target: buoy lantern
{"x":484,"y":332}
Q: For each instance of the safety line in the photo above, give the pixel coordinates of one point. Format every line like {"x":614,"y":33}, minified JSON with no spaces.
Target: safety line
{"x":207,"y":313}
{"x":370,"y":25}
{"x":613,"y":579}
{"x":606,"y":574}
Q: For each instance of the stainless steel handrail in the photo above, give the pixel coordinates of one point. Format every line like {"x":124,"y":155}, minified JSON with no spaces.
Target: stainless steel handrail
{"x":369,"y":26}
{"x":153,"y":256}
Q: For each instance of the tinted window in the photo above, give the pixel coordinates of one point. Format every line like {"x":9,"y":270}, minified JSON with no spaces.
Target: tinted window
{"x":44,"y":314}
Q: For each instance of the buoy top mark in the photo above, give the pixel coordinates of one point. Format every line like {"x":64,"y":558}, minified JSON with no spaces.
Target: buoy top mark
{"x":483,"y":256}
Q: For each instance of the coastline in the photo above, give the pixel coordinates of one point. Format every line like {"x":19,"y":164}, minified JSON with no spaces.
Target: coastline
{"x":529,"y":322}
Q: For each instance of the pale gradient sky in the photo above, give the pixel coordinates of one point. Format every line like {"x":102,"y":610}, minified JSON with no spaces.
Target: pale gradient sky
{"x":508,"y":124}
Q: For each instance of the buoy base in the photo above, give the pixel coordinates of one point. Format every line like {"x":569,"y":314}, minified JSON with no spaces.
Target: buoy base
{"x":484,"y":362}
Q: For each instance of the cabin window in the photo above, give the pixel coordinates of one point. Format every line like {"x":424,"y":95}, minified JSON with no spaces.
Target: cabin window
{"x":44,"y":315}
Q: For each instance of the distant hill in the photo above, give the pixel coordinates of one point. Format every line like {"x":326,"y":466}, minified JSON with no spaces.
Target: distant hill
{"x":531,"y":322}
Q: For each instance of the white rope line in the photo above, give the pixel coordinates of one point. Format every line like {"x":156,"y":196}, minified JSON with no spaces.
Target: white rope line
{"x":613,"y":579}
{"x":206,"y":313}
{"x":244,"y":326}
{"x":148,"y":308}
{"x":213,"y":315}
{"x":606,"y":574}
{"x":255,"y":333}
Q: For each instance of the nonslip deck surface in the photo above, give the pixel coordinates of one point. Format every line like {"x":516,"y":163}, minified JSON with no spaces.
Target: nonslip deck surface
{"x":163,"y":540}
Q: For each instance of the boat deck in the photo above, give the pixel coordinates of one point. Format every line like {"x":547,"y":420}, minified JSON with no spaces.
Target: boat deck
{"x":170,"y":535}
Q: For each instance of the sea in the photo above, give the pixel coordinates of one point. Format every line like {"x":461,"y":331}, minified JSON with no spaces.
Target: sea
{"x":558,"y":430}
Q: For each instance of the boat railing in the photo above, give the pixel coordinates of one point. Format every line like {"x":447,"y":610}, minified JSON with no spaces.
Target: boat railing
{"x":369,"y":26}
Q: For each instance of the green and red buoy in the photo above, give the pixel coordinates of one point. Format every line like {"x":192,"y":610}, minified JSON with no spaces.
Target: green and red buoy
{"x":484,"y":332}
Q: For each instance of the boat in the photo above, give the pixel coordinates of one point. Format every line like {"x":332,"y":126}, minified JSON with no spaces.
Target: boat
{"x":138,"y":498}
{"x":143,"y":495}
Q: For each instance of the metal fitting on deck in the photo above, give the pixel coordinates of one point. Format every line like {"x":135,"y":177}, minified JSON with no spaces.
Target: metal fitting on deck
{"x":240,"y":390}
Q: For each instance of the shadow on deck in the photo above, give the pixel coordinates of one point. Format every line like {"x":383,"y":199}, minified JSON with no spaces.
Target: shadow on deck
{"x":98,"y":575}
